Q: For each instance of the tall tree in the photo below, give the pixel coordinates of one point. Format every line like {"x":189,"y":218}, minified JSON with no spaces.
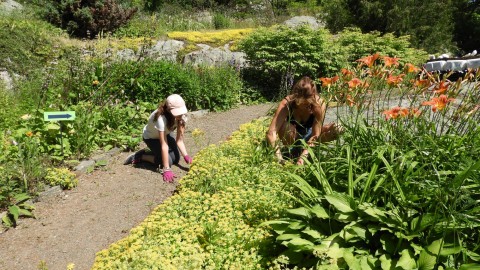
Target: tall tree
{"x":467,"y":25}
{"x":428,"y":23}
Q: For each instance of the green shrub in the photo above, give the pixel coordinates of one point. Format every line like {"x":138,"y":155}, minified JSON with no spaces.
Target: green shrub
{"x":354,"y":44}
{"x":87,"y":18}
{"x":221,"y":21}
{"x":151,"y":81}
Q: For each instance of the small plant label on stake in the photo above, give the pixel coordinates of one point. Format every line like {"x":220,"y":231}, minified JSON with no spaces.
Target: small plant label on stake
{"x":59,"y":116}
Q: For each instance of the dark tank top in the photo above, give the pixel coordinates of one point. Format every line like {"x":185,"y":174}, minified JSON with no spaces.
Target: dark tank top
{"x":301,"y":127}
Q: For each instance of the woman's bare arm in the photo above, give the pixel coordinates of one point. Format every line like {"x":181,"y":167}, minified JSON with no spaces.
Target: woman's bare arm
{"x":164,"y":145}
{"x":277,"y":122}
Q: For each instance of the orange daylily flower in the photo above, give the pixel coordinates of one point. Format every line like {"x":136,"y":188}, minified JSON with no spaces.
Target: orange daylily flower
{"x":346,"y":72}
{"x":353,"y":83}
{"x":29,"y":134}
{"x":421,"y":83}
{"x":95,"y":82}
{"x":438,"y":103}
{"x":415,"y":112}
{"x":368,"y":60}
{"x":390,"y":61}
{"x":393,"y":80}
{"x":395,"y":113}
{"x":351,"y":101}
{"x":441,"y":88}
{"x":328,"y":81}
{"x":410,"y":68}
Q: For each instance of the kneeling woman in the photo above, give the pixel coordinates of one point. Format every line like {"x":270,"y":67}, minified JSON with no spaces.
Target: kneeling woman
{"x":170,"y":115}
{"x":298,"y":121}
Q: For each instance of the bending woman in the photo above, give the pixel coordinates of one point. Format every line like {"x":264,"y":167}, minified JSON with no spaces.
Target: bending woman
{"x":298,"y":120}
{"x":170,"y":115}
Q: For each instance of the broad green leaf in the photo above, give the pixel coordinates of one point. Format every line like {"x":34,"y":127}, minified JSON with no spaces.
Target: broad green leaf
{"x":373,"y":212}
{"x":350,"y":259}
{"x":345,"y":217}
{"x":422,"y":222}
{"x":428,"y":256}
{"x":451,"y":249}
{"x":293,"y":257}
{"x":358,"y":230}
{"x":296,"y":225}
{"x":52,"y":127}
{"x":406,"y":260}
{"x":313,"y":233}
{"x":335,"y":252}
{"x":319,"y":212}
{"x":288,"y":236}
{"x":15,"y":211}
{"x":368,"y":262}
{"x":341,"y":202}
{"x":301,"y":211}
{"x":299,"y":244}
{"x":6,"y":220}
{"x":386,"y":262}
{"x":389,"y":243}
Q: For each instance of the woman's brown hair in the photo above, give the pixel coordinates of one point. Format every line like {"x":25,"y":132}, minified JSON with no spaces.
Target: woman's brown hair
{"x":163,"y":110}
{"x":305,"y":90}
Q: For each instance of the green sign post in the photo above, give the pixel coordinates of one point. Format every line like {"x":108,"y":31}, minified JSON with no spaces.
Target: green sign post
{"x":59,"y":116}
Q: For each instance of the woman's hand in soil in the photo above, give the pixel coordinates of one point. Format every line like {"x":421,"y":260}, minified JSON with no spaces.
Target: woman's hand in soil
{"x":168,"y":175}
{"x":188,"y":159}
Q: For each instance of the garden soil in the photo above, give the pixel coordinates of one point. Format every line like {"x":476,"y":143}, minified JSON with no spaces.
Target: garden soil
{"x":71,"y":226}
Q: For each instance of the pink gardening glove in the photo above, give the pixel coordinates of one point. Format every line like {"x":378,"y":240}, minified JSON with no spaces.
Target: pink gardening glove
{"x":188,"y":159}
{"x":168,"y":176}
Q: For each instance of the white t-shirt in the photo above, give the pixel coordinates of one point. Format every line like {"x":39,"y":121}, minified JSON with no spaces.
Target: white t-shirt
{"x":151,"y":129}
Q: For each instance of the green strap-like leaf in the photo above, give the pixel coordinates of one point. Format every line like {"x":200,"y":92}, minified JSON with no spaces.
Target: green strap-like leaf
{"x":21,"y":197}
{"x":470,"y":266}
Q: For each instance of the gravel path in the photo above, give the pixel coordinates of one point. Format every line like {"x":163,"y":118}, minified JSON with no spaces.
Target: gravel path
{"x":72,"y":226}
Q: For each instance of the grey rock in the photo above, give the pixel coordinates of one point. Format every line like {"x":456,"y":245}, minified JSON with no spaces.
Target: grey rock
{"x":85,"y":165}
{"x":165,"y":50}
{"x":209,"y":56}
{"x":297,"y":21}
{"x":50,"y":193}
{"x":106,"y":155}
{"x":8,"y":6}
{"x":6,"y":80}
{"x":197,"y":114}
{"x":126,"y":55}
